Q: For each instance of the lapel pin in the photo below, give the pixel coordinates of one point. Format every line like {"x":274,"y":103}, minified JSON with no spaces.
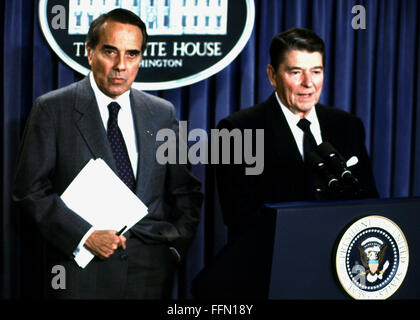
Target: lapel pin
{"x":150,"y":133}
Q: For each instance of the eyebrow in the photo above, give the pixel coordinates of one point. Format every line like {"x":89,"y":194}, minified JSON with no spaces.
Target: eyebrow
{"x":299,"y":68}
{"x":135,"y":51}
{"x":108,"y":46}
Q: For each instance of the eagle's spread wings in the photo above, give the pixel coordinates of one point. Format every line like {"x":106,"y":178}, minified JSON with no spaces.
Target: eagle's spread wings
{"x":381,"y":254}
{"x":364,"y":258}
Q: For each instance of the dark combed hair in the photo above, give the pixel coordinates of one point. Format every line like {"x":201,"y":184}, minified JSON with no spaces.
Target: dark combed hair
{"x":295,"y":39}
{"x":117,"y":15}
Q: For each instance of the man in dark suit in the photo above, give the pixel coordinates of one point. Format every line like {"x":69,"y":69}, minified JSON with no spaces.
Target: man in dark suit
{"x":70,"y":126}
{"x":296,"y":71}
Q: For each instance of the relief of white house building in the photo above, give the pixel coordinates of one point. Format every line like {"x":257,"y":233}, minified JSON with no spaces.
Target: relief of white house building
{"x":162,"y":17}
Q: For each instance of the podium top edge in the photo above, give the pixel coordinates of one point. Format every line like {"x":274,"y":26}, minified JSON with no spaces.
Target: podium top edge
{"x":338,"y":202}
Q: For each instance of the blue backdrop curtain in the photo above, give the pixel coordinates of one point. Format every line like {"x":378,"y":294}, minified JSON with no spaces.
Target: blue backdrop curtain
{"x":373,"y":73}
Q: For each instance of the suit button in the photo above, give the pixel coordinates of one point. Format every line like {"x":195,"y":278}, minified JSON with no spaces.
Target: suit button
{"x":123,"y":256}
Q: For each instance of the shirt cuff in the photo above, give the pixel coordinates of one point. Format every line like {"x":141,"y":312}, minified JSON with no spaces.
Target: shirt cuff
{"x":81,"y":250}
{"x":82,"y":242}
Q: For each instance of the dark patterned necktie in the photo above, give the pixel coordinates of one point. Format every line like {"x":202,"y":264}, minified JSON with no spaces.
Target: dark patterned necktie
{"x":119,"y":149}
{"x":309,"y":143}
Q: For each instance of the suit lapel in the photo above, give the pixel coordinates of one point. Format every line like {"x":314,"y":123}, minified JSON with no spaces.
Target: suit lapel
{"x":146,"y":137}
{"x":283,"y":141}
{"x":90,"y":123}
{"x":330,"y":129}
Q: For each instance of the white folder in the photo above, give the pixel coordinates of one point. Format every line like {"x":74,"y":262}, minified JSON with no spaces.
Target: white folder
{"x":98,"y":196}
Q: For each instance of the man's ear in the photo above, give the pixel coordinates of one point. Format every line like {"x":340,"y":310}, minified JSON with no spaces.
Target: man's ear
{"x":89,"y":51}
{"x":272,"y":75}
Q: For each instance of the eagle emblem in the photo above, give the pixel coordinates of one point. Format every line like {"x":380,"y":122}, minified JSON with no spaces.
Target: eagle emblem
{"x":372,"y":254}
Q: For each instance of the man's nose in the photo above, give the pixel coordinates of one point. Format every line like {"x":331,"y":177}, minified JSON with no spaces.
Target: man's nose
{"x":120,"y":62}
{"x":307,"y":79}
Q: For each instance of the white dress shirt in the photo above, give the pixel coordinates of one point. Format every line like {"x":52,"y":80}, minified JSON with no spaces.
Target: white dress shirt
{"x":292,"y":119}
{"x":125,"y":119}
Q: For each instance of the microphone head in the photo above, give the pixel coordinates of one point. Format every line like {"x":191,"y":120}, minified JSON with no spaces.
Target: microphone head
{"x":325,"y":149}
{"x":313,"y":159}
{"x":316,"y":162}
{"x":328,"y":152}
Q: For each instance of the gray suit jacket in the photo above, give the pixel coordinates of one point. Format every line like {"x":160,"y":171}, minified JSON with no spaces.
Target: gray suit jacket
{"x":64,"y":131}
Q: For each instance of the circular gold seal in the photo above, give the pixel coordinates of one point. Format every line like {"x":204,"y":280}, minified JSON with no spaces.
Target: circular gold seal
{"x":372,"y":258}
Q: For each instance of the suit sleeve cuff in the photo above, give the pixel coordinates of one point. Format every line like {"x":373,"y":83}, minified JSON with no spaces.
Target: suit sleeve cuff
{"x":82,"y":242}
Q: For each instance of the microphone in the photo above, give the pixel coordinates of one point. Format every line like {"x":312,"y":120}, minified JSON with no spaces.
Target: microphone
{"x":315,"y":161}
{"x":337,"y":163}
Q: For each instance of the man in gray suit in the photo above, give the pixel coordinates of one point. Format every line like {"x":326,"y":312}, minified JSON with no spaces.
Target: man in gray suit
{"x":70,"y":126}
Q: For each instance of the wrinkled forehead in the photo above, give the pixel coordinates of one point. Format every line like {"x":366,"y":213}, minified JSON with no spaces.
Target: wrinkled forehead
{"x":302,"y":59}
{"x":117,"y":33}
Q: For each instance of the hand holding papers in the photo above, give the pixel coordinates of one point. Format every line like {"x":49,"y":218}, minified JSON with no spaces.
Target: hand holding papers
{"x":103,"y":200}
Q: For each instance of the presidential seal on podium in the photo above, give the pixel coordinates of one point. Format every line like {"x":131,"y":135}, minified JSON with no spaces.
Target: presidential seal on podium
{"x":372,"y":258}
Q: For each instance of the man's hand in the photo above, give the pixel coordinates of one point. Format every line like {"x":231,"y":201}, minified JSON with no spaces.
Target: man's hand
{"x":103,"y":243}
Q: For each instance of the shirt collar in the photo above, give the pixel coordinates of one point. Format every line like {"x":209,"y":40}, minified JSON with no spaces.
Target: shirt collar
{"x":292,"y":118}
{"x":103,"y":100}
